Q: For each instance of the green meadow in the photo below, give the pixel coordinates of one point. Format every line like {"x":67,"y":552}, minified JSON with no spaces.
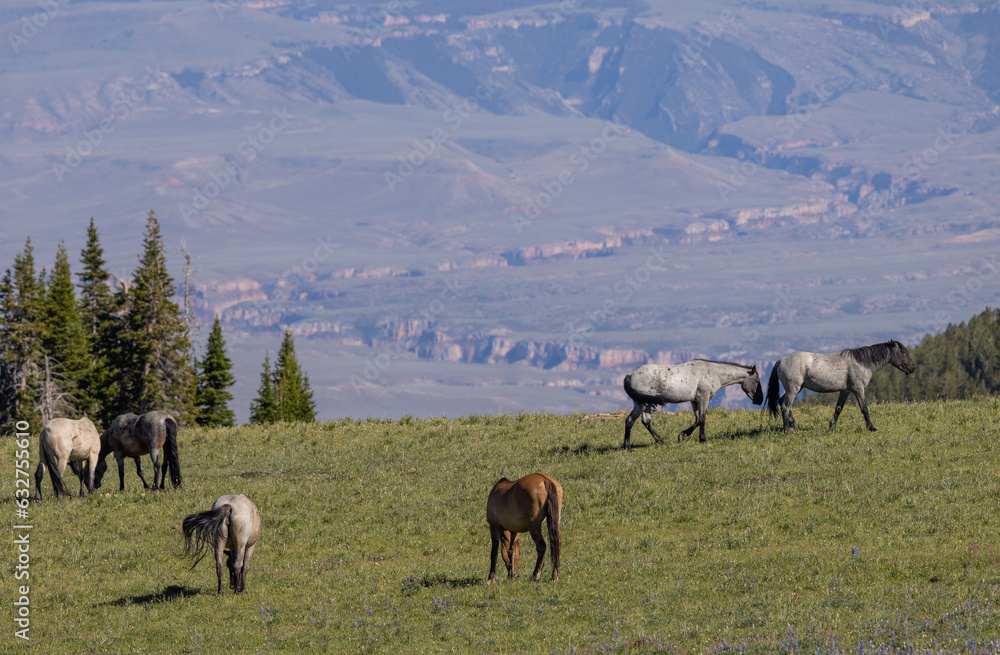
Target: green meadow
{"x":375,"y":539}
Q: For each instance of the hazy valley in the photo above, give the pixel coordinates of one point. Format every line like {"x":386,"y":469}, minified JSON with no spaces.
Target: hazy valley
{"x":481,"y":207}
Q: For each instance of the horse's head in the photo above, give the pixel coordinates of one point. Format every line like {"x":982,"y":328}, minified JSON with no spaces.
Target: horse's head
{"x":102,"y":464}
{"x":751,"y":386}
{"x":102,"y":467}
{"x":900,"y":358}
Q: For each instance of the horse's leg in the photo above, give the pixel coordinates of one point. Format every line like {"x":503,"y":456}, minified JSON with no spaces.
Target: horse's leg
{"x":80,"y":473}
{"x":495,"y":533}
{"x":687,"y":433}
{"x":92,"y":470}
{"x":39,"y":476}
{"x":231,"y":565}
{"x":510,"y":551}
{"x":220,"y":549}
{"x":154,"y":454}
{"x":787,"y":420}
{"x":138,"y":470}
{"x":647,"y":422}
{"x":841,"y":399}
{"x":120,"y":458}
{"x":536,"y":534}
{"x":700,"y":417}
{"x":863,"y":404}
{"x":237,"y":572}
{"x":629,"y":422}
{"x":241,"y":582}
{"x":58,"y":473}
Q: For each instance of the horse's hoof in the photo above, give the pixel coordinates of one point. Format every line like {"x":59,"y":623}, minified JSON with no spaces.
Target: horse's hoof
{"x":490,"y":580}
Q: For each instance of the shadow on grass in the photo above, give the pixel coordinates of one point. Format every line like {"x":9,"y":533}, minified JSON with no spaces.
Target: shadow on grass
{"x":173,"y":592}
{"x":412,"y":584}
{"x":752,"y":433}
{"x":587,"y":449}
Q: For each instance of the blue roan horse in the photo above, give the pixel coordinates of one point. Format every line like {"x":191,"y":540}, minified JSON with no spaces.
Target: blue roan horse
{"x":696,"y":382}
{"x":847,"y":371}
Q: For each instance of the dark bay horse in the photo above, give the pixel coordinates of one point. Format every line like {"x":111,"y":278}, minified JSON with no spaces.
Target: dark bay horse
{"x":521,"y":506}
{"x":696,"y":382}
{"x":133,"y":436}
{"x":65,"y":441}
{"x":233,"y":524}
{"x":847,"y":371}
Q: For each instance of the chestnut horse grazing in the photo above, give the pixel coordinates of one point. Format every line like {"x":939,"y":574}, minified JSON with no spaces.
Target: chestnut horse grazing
{"x":521,"y":506}
{"x":134,"y":436}
{"x":232,"y":524}
{"x":65,"y":441}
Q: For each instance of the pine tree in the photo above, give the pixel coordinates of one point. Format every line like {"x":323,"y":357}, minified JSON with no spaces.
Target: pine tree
{"x":214,"y":379}
{"x":65,"y":345}
{"x":293,"y":394}
{"x":21,"y":334}
{"x":959,"y":362}
{"x":100,"y":312}
{"x":263,"y":408}
{"x":159,"y":374}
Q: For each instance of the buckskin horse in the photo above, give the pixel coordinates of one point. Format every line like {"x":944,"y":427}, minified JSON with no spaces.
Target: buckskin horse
{"x":66,"y":441}
{"x":233,"y":524}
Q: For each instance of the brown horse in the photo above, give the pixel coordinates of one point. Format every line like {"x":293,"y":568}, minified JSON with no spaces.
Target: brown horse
{"x":232,"y":524}
{"x":134,"y":436}
{"x":521,"y":506}
{"x":65,"y":441}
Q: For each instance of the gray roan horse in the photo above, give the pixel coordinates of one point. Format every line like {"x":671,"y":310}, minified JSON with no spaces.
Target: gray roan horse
{"x":133,"y":436}
{"x":696,"y":382}
{"x":65,"y":441}
{"x":232,"y":524}
{"x":847,"y":371}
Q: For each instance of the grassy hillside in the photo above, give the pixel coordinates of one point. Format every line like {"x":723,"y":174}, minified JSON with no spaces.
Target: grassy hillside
{"x":375,"y":539}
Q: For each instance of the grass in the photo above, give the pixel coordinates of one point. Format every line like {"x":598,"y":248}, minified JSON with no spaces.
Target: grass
{"x":375,"y":539}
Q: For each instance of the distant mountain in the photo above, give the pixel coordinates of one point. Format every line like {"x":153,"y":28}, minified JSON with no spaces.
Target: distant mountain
{"x":487,"y":206}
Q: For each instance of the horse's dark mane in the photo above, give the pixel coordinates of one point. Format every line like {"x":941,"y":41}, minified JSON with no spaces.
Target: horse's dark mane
{"x":874,"y":355}
{"x":712,"y":361}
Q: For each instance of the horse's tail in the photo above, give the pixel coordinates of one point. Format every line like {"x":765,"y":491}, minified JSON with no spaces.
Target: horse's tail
{"x":772,"y":390}
{"x":553,"y":512}
{"x":49,"y":457}
{"x":201,"y":531}
{"x":638,"y":396}
{"x":170,"y":452}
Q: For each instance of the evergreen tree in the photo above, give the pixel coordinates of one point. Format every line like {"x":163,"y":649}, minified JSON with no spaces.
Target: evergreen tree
{"x":22,"y":295}
{"x":264,"y":408}
{"x":291,"y":385}
{"x":214,"y":379}
{"x":159,"y":374}
{"x":100,"y":312}
{"x":959,"y":362}
{"x":64,"y":344}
